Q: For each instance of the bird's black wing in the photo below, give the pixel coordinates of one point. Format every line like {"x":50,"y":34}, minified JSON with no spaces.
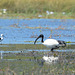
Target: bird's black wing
{"x":62,"y":43}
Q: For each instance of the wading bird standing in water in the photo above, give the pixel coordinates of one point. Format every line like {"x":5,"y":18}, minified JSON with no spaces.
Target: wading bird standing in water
{"x":1,"y":37}
{"x":51,"y":43}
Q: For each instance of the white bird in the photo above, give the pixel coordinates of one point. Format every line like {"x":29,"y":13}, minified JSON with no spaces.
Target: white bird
{"x":51,"y":43}
{"x":1,"y":37}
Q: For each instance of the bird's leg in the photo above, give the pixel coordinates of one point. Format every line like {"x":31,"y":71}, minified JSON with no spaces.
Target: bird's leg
{"x":56,"y":47}
{"x":51,"y":53}
{"x":52,"y":49}
{"x":54,"y":53}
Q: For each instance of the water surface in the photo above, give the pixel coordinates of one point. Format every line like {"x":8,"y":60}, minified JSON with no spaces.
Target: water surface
{"x":24,"y":31}
{"x":19,"y":56}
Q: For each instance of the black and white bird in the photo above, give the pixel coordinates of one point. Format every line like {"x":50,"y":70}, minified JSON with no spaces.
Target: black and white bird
{"x":1,"y":37}
{"x":51,"y":43}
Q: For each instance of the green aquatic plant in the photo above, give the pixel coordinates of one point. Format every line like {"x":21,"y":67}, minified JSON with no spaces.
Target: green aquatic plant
{"x":68,"y":42}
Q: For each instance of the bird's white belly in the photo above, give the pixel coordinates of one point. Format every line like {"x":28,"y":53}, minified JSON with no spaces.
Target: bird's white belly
{"x":51,"y":43}
{"x":50,"y":46}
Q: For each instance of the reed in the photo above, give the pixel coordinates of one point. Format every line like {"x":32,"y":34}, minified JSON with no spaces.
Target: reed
{"x":38,"y":6}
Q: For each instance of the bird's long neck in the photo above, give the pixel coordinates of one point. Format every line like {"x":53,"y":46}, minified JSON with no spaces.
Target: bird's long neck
{"x":40,"y":36}
{"x":42,"y":39}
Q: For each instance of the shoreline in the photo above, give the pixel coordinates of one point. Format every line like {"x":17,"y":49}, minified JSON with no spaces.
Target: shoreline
{"x":29,"y":16}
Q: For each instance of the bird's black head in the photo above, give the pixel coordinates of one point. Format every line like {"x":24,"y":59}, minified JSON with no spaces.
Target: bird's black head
{"x":40,"y":36}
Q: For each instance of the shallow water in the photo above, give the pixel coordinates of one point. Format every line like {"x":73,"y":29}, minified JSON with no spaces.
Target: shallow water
{"x":23,"y":31}
{"x":13,"y":49}
{"x":26,"y":51}
{"x":69,"y":50}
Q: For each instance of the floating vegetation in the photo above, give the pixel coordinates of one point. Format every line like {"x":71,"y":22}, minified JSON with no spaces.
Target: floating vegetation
{"x":33,"y":36}
{"x":39,"y":27}
{"x":15,"y":26}
{"x":56,"y":35}
{"x":28,"y":41}
{"x":60,"y":27}
{"x":68,"y":42}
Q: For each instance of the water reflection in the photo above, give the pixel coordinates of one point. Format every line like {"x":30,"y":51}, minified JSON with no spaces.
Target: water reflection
{"x":50,"y":59}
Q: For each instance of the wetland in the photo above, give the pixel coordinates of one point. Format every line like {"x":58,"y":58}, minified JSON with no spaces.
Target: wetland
{"x":19,"y":55}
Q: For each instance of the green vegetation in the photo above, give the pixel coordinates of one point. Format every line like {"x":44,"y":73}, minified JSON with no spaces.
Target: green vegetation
{"x":38,"y":6}
{"x":20,"y":47}
{"x":33,"y":8}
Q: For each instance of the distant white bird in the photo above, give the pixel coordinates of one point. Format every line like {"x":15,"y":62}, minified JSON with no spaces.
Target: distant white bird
{"x":51,"y":43}
{"x":47,"y":12}
{"x":51,"y":12}
{"x":63,"y":13}
{"x":1,"y":37}
{"x":50,"y":59}
{"x":39,"y":15}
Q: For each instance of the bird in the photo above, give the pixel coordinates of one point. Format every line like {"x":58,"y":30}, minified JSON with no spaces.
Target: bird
{"x":51,"y":43}
{"x":1,"y":37}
